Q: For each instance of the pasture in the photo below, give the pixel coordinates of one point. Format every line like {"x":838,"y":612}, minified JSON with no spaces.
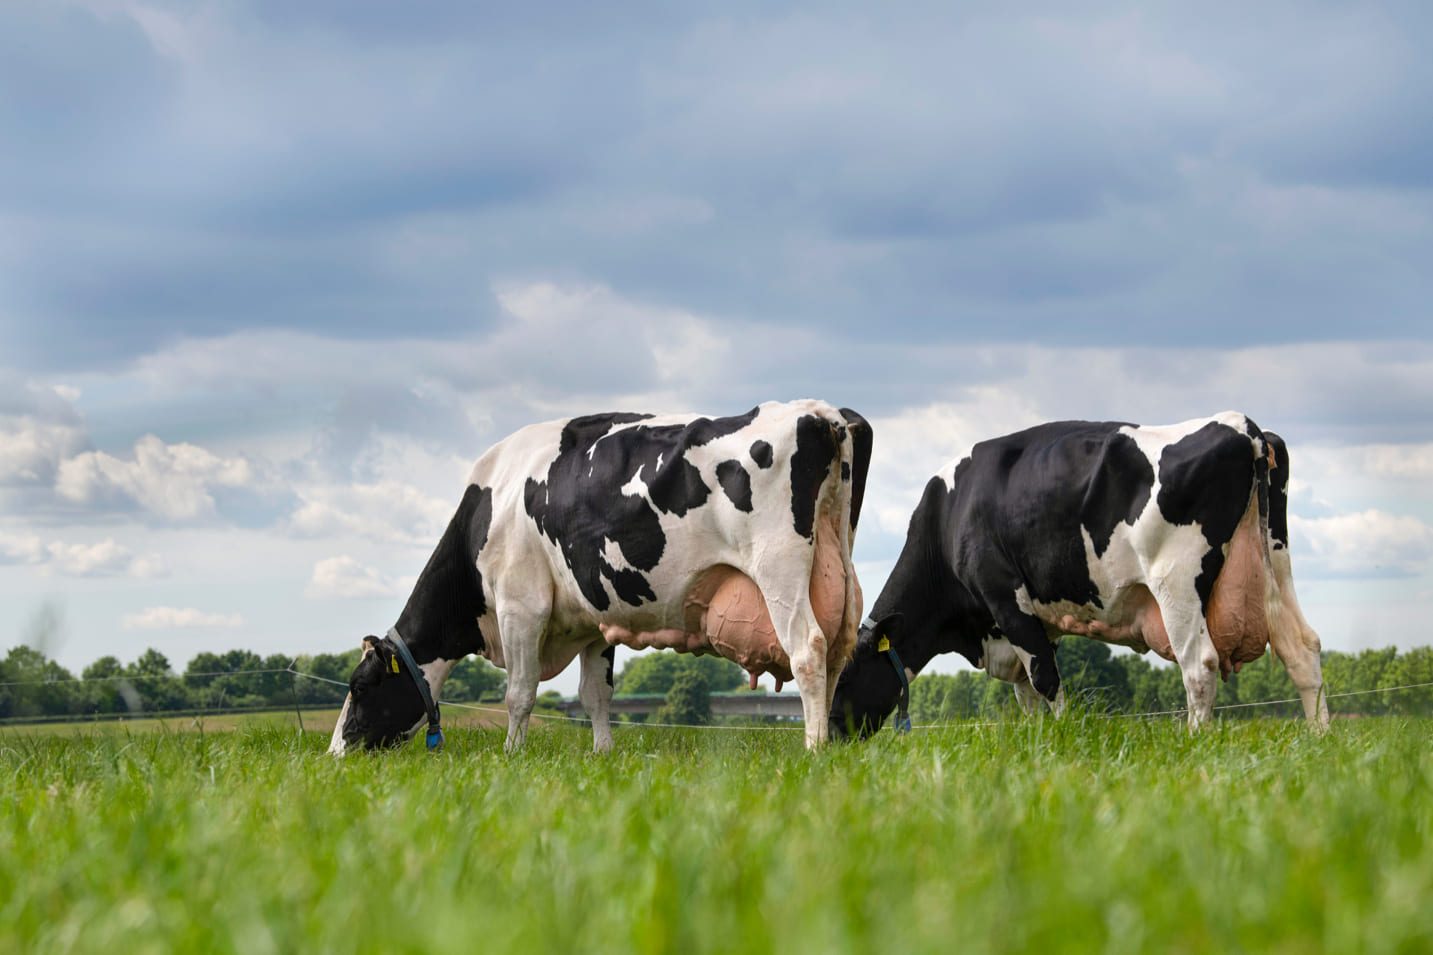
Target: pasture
{"x":1077,"y":835}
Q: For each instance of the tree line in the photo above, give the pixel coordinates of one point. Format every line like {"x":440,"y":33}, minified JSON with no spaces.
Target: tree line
{"x":32,"y":686}
{"x":1098,"y":679}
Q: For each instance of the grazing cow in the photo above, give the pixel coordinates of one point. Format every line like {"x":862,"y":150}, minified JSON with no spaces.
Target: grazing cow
{"x":728,"y":535}
{"x":1172,"y":539}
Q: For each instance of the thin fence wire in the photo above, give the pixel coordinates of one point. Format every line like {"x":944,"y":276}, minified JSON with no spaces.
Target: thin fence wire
{"x":563,"y":718}
{"x":133,"y":677}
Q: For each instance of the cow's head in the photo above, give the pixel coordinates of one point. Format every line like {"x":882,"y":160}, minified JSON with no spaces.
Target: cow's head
{"x":869,"y":687}
{"x":384,"y":707}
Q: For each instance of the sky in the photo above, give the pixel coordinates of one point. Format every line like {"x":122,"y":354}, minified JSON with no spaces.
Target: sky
{"x":272,"y":275}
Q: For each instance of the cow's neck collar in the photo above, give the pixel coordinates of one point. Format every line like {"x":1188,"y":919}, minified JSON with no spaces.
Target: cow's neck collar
{"x":888,"y":650}
{"x":435,"y":730}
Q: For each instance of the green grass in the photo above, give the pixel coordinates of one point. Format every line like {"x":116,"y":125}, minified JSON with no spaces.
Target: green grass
{"x":1080,"y":835}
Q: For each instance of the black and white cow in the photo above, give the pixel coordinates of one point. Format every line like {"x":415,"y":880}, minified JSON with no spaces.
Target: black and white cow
{"x":728,"y":535}
{"x":1172,"y":539}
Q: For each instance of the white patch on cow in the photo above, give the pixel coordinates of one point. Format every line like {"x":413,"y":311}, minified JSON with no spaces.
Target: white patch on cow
{"x":336,"y":745}
{"x":636,"y":487}
{"x":612,"y":553}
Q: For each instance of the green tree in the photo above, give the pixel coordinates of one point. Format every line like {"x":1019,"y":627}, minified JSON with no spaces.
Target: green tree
{"x":1090,"y":675}
{"x":108,"y":691}
{"x":43,"y":687}
{"x":657,"y":672}
{"x":1410,"y":669}
{"x":155,"y":684}
{"x":689,"y":701}
{"x":473,"y":680}
{"x":328,"y":666}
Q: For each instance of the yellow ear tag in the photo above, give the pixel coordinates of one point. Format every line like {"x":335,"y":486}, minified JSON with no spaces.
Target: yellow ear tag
{"x":393,"y":662}
{"x":884,"y":645}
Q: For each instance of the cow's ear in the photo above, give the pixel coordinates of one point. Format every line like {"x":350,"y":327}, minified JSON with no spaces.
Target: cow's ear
{"x":383,"y":652}
{"x":890,"y":625}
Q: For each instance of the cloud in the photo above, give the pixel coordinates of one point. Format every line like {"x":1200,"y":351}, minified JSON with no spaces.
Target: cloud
{"x":1369,"y":543}
{"x":105,"y":558}
{"x":180,"y":618}
{"x":386,"y":512}
{"x":21,"y":549}
{"x":192,"y":172}
{"x":174,"y":482}
{"x":344,"y":577}
{"x":39,"y":428}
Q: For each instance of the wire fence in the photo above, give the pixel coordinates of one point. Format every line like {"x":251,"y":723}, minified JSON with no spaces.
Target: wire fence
{"x":296,"y":705}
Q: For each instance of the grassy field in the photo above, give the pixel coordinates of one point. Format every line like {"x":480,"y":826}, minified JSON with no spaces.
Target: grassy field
{"x":1080,"y":835}
{"x":317,"y":720}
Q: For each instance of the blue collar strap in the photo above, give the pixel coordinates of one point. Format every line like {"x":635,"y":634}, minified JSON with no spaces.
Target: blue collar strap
{"x":903,"y":715}
{"x":435,"y":731}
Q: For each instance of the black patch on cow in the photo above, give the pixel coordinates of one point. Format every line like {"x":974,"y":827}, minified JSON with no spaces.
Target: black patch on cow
{"x":1206,"y":477}
{"x":845,"y":471}
{"x":610,"y":655}
{"x":736,"y":484}
{"x":1278,"y":492}
{"x":440,"y":619}
{"x":630,"y":586}
{"x":862,"y":438}
{"x":1118,"y":490}
{"x":580,"y":504}
{"x":816,"y":448}
{"x":761,"y":454}
{"x":1023,"y":499}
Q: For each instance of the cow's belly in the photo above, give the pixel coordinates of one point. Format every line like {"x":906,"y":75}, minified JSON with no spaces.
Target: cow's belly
{"x":724,"y":612}
{"x":1131,"y":619}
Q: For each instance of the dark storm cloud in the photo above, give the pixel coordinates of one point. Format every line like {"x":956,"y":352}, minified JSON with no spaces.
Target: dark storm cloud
{"x":1069,"y":174}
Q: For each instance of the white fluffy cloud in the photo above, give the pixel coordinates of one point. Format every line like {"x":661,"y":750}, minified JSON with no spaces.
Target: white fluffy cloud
{"x":1367,"y":543}
{"x":345,"y":577}
{"x":175,"y":482}
{"x":387,"y":512}
{"x":180,"y":618}
{"x":105,"y":558}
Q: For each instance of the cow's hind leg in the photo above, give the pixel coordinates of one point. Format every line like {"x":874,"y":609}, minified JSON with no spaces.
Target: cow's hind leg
{"x":1183,"y":615}
{"x":805,"y":644}
{"x":520,"y":633}
{"x":1296,"y":643}
{"x":595,"y":690}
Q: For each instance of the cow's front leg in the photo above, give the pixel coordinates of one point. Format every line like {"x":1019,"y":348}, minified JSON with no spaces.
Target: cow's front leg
{"x":520,"y":633}
{"x":595,"y":691}
{"x":1035,"y":655}
{"x":1007,"y":662}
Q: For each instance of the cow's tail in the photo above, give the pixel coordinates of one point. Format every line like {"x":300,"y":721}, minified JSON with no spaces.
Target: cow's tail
{"x":1263,"y":492}
{"x":843,"y":491}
